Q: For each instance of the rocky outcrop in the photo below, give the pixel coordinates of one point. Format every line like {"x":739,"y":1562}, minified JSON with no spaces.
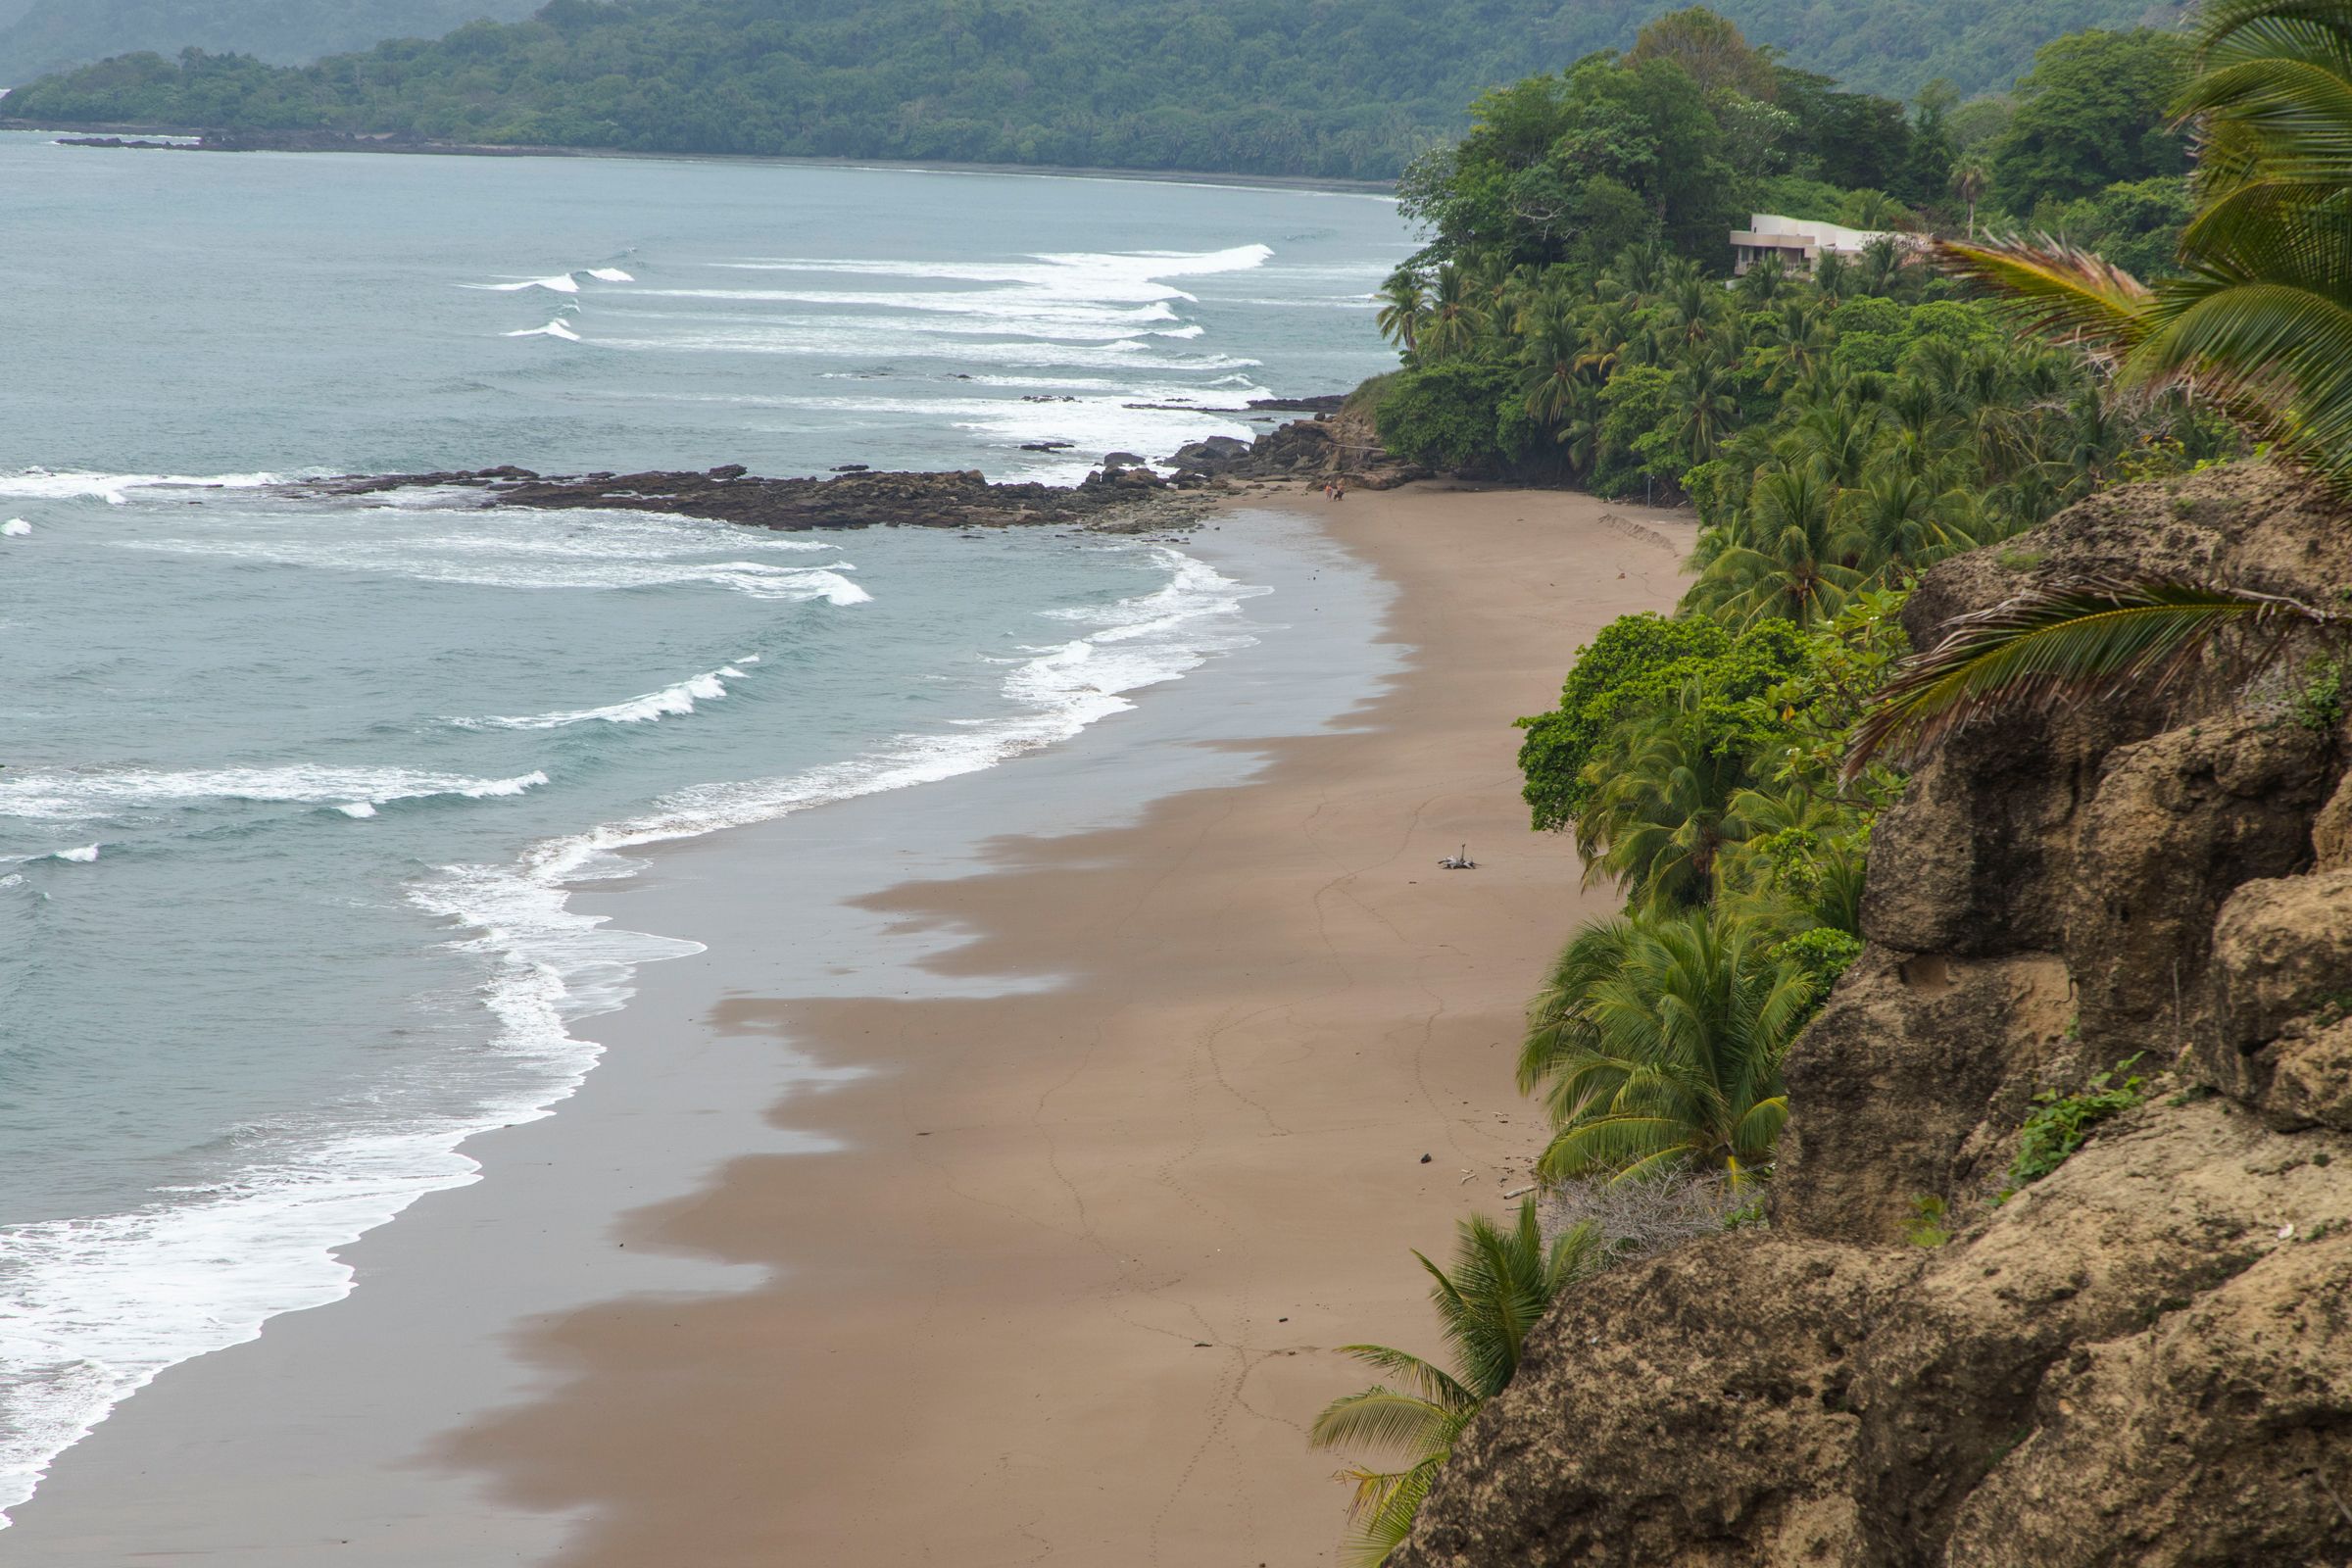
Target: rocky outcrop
{"x":1115,"y":497}
{"x":2143,"y":1359}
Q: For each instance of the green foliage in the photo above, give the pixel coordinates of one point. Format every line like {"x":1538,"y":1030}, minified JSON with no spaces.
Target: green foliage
{"x":1444,"y":415}
{"x":2058,"y":1124}
{"x":1631,"y":660}
{"x":1824,"y":953}
{"x":52,"y":34}
{"x":2318,"y":704}
{"x":2260,"y":316}
{"x":1658,"y":1048}
{"x":1277,"y":87}
{"x":1500,"y":1283}
{"x":1926,"y":1226}
{"x":2095,"y":111}
{"x":2138,"y":225}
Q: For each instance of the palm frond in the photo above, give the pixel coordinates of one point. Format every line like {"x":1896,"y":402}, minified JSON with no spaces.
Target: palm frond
{"x":1384,"y":1508}
{"x":2056,"y":288}
{"x":1380,"y":1418}
{"x":2055,"y":646}
{"x":1425,"y":1380}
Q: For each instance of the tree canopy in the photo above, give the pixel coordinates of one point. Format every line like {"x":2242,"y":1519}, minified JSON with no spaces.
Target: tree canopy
{"x":1271,"y":87}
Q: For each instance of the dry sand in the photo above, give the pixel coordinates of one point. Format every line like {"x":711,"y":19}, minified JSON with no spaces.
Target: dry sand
{"x":1070,"y":1292}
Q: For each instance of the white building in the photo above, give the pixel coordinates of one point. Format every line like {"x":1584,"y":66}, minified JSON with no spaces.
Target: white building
{"x":1799,"y":242}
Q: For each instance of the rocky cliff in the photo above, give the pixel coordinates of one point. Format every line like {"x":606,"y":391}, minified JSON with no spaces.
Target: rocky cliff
{"x":2146,"y":1356}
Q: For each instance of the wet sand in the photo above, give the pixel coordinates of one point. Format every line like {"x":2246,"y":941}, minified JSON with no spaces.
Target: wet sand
{"x":1067,"y":1286}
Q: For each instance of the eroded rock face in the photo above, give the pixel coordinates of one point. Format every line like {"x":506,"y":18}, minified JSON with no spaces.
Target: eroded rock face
{"x":1921,"y":1049}
{"x":1723,"y":1424}
{"x":2143,"y":1359}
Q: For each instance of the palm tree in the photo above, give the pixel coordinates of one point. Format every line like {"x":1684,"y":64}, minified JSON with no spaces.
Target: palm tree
{"x":1898,"y":522}
{"x":1663,"y":805}
{"x":1880,"y":271}
{"x":1763,"y":283}
{"x":1502,"y":1282}
{"x":1658,"y":1048}
{"x":1782,"y":560}
{"x":1970,"y":182}
{"x":2261,"y":317}
{"x":1456,"y":316}
{"x":1710,"y":405}
{"x":1404,"y":307}
{"x":1549,"y":346}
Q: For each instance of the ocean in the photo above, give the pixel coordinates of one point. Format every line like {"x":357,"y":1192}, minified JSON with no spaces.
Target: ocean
{"x":291,"y":791}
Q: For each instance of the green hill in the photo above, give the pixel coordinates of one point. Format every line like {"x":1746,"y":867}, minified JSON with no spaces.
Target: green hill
{"x":37,"y":36}
{"x":1321,"y":88}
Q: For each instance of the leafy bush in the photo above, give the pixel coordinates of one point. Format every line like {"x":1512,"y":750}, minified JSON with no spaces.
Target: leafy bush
{"x":1627,"y":659}
{"x":2059,"y":1124}
{"x":1444,"y":415}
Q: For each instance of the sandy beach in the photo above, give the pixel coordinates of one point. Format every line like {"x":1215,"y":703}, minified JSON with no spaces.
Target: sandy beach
{"x":1068,"y":1288}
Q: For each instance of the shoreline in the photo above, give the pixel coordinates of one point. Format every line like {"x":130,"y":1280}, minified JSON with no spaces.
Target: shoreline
{"x":99,"y":135}
{"x":437,"y":1413}
{"x":1067,"y":1283}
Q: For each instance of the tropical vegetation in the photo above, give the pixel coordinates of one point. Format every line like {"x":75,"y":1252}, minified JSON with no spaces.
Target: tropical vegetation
{"x":37,"y":36}
{"x":1503,"y":1280}
{"x":1723,"y":767}
{"x":1271,"y":87}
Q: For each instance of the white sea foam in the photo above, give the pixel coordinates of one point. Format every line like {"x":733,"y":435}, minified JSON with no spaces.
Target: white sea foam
{"x":1096,"y":309}
{"x":669,"y":702}
{"x":609,"y":274}
{"x":14,"y":528}
{"x":560,"y":283}
{"x":114,"y":488}
{"x":521,"y":550}
{"x":84,"y":855}
{"x":557,"y":328}
{"x":103,"y":793}
{"x":99,"y":1305}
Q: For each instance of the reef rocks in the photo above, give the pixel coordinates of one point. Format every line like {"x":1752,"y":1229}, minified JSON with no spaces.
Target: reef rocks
{"x":1119,"y":499}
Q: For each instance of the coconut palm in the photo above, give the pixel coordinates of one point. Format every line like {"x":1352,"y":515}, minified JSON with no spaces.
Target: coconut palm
{"x":1710,"y":405}
{"x":1502,"y":1282}
{"x":1550,"y":378}
{"x":2260,"y":316}
{"x":1664,"y":804}
{"x":1899,"y":521}
{"x":1404,"y":307}
{"x":1458,"y":314}
{"x":1782,"y":559}
{"x":1970,"y":182}
{"x":1658,"y":1048}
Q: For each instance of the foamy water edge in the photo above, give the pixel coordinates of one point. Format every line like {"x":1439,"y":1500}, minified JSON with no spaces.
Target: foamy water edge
{"x":102,"y":1305}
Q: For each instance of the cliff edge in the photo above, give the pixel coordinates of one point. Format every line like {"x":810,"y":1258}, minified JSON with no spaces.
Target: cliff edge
{"x":2143,"y":1359}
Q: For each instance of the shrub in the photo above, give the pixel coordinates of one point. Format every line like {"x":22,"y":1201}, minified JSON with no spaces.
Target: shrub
{"x":2058,"y":1125}
{"x":1444,"y":415}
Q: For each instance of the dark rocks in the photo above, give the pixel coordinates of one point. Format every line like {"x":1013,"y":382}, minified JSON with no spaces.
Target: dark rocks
{"x":1217,"y":455}
{"x":855,"y":497}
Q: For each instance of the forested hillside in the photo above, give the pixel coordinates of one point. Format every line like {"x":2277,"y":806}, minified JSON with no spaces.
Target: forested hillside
{"x":1267,"y":86}
{"x":44,"y":35}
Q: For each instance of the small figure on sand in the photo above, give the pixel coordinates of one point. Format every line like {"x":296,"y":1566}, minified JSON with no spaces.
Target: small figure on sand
{"x":1459,"y":860}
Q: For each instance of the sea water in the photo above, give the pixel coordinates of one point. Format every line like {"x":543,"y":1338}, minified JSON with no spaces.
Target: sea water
{"x":293,"y":790}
